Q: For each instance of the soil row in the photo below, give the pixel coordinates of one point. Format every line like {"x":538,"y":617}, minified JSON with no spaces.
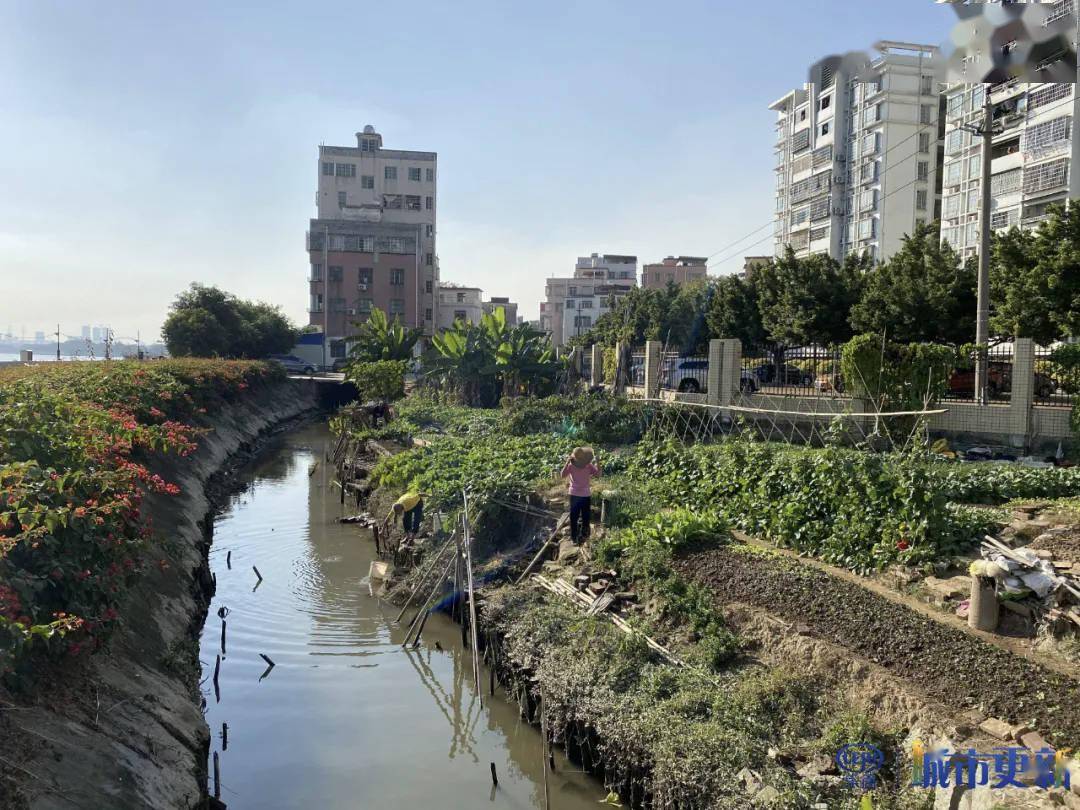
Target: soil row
{"x":942,"y":662}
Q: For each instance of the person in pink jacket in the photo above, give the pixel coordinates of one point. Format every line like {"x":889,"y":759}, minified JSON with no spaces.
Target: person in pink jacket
{"x":580,"y":468}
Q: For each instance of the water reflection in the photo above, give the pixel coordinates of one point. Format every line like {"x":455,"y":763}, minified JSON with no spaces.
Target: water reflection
{"x":347,"y":718}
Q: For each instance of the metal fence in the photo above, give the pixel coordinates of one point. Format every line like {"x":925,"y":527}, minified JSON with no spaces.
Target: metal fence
{"x":960,"y":386}
{"x":1053,"y":385}
{"x":802,"y":371}
{"x":688,"y":374}
{"x":586,"y":366}
{"x":637,"y":368}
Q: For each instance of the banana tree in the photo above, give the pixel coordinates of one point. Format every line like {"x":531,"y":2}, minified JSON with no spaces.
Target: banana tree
{"x":524,"y":355}
{"x":379,"y":338}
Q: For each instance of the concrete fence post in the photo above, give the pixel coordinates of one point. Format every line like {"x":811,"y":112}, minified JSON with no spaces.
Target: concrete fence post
{"x":714,"y":385}
{"x":622,"y":372}
{"x":731,"y":370}
{"x":1022,"y":398}
{"x":597,"y":367}
{"x":653,"y":351}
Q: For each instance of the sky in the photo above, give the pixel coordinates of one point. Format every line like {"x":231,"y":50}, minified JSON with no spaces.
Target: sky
{"x":150,"y":145}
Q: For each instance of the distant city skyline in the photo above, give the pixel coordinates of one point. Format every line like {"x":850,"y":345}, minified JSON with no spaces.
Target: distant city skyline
{"x":129,"y":184}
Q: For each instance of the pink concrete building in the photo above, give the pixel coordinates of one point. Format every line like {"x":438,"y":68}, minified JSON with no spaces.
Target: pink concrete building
{"x":678,"y":269}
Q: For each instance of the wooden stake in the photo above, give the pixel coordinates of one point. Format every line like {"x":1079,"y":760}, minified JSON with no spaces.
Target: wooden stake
{"x":424,"y":574}
{"x":224,"y":736}
{"x":256,"y":570}
{"x":494,"y":776}
{"x":472,"y":601}
{"x":222,"y":636}
{"x":217,"y":670}
{"x":228,"y":561}
{"x":217,"y":777}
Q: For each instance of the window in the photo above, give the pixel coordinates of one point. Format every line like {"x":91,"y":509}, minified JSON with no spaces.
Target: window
{"x":390,"y":172}
{"x":868,"y":172}
{"x":397,"y":277}
{"x":461,"y":298}
{"x":428,"y":286}
{"x":582,"y":321}
{"x":367,"y":181}
{"x":397,"y":306}
{"x":364,"y":280}
{"x":369,"y":144}
{"x":392,"y":201}
{"x":955,"y":141}
{"x":337,"y":304}
{"x":819,"y":209}
{"x":429,"y":203}
{"x":412,"y":202}
{"x":926,"y":85}
{"x":429,"y":230}
{"x":336,"y":273}
{"x":926,"y":112}
{"x":871,"y":143}
{"x":822,"y":156}
{"x":461,"y":315}
{"x":364,"y":306}
{"x":1046,"y":176}
{"x":924,"y":142}
{"x":414,"y":174}
{"x":570,"y":303}
{"x":954,"y":173}
{"x":1006,"y":182}
{"x":586,"y":305}
{"x":867,"y":228}
{"x":327,"y":169}
{"x":1004,"y":219}
{"x":430,"y":175}
{"x":571,"y":290}
{"x":800,"y":215}
{"x":800,"y":140}
{"x":1047,"y":134}
{"x":978,"y":96}
{"x":429,"y":259}
{"x":825,"y":128}
{"x":427,"y":314}
{"x":1048,"y":94}
{"x":974,"y":167}
{"x":345,"y":169}
{"x":341,"y":199}
{"x":920,"y":199}
{"x":802,"y":115}
{"x":825,"y":102}
{"x":868,"y":200}
{"x":952,"y":206}
{"x":973,"y":200}
{"x":955,"y":106}
{"x":316,"y":272}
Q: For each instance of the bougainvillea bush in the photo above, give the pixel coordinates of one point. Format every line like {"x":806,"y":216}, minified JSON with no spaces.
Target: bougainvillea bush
{"x":75,"y":441}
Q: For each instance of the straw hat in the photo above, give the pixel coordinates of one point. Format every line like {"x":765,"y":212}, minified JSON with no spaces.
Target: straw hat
{"x":582,"y":456}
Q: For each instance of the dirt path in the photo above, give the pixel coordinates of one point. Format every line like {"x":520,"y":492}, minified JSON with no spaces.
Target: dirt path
{"x":945,"y":663}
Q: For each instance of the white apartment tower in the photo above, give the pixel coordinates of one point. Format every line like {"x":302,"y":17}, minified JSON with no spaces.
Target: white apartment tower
{"x":857,"y":155}
{"x":1034,"y":148}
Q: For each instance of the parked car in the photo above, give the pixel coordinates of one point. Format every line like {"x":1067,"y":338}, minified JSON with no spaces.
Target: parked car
{"x":789,"y":375}
{"x":293,"y":364}
{"x":691,"y":374}
{"x":998,"y":379}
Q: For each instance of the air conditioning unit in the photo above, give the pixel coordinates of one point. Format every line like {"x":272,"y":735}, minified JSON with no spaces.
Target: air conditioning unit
{"x":362,"y":285}
{"x":350,"y":312}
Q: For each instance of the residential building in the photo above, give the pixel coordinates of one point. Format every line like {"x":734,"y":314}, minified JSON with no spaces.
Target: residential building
{"x":459,"y":303}
{"x":675,"y":270}
{"x":378,"y":208}
{"x":1033,"y":150}
{"x":572,"y":305}
{"x":509,"y":308}
{"x":752,"y":263}
{"x":858,"y":154}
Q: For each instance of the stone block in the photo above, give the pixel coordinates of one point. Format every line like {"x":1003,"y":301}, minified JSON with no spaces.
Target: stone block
{"x":1033,"y":740}
{"x":996,"y":728}
{"x":958,"y":587}
{"x":767,"y":796}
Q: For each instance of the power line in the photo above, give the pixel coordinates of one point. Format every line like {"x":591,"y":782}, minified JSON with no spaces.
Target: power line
{"x":919,"y":130}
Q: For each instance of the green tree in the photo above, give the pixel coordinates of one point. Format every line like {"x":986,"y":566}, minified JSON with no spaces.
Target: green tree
{"x":1035,"y":279}
{"x":923,"y":293}
{"x":205,"y":321}
{"x":733,"y":310}
{"x":808,"y":300}
{"x":379,"y":338}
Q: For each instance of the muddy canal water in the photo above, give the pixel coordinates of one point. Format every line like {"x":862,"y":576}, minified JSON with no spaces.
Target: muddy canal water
{"x":346,"y":718}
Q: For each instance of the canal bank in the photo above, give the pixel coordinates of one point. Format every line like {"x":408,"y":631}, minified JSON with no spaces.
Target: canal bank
{"x":125,"y":728}
{"x":346,"y":717}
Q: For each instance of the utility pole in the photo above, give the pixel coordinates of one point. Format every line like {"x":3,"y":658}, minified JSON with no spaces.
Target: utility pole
{"x":982,"y":306}
{"x":326,"y":292}
{"x":58,"y":342}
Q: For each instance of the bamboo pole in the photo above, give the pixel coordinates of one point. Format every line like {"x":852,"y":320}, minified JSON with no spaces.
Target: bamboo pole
{"x":429,"y":602}
{"x":424,"y":574}
{"x":472,"y":599}
{"x":543,"y":549}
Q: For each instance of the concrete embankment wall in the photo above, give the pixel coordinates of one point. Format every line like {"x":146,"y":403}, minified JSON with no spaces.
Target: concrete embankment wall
{"x":126,"y":729}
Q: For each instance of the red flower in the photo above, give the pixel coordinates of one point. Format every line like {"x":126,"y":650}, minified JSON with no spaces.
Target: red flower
{"x":901,"y":544}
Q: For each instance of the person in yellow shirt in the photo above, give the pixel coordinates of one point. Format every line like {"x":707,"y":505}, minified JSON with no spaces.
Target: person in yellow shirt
{"x":410,"y":507}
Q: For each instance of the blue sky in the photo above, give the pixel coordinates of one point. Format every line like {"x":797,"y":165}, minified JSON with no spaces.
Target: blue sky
{"x":148,"y":145}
